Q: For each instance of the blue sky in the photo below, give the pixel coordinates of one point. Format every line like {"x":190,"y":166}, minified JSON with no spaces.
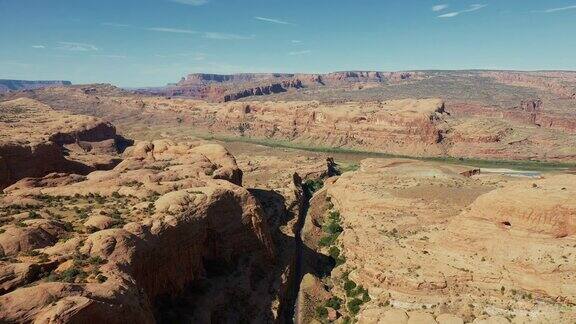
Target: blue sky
{"x":153,"y":42}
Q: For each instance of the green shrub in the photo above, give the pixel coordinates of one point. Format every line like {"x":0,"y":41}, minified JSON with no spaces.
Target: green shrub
{"x":96,"y":260}
{"x":321,"y":311}
{"x":72,"y":274}
{"x":353,"y":290}
{"x":365,"y":296}
{"x":313,"y":185}
{"x":334,"y":303}
{"x":340,"y":261}
{"x":115,"y":214}
{"x":68,"y":226}
{"x":150,"y":209}
{"x":33,"y":215}
{"x":354,"y":306}
{"x":333,"y":228}
{"x":153,"y":197}
{"x":21,"y":224}
{"x":32,"y":253}
{"x":349,"y":286}
{"x":334,"y":252}
{"x":328,"y":240}
{"x":334,"y":215}
{"x":99,"y":199}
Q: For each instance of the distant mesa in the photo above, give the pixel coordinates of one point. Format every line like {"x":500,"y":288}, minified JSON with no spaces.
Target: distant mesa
{"x":230,"y":87}
{"x":17,"y":85}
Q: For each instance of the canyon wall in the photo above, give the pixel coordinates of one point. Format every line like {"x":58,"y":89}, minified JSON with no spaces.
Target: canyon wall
{"x":416,"y":242}
{"x":37,"y":140}
{"x":169,"y":215}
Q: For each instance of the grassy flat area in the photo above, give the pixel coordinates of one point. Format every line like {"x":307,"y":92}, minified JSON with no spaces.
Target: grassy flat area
{"x":525,"y":165}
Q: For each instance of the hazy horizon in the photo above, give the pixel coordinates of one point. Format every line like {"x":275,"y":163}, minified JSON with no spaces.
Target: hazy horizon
{"x":155,"y":42}
{"x":276,"y":72}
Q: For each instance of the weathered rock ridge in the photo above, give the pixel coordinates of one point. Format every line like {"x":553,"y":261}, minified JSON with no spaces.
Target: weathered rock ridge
{"x":351,"y":76}
{"x":554,"y":82}
{"x":264,"y":90}
{"x":419,"y":242}
{"x":216,"y":87}
{"x":37,"y":140}
{"x":169,"y":215}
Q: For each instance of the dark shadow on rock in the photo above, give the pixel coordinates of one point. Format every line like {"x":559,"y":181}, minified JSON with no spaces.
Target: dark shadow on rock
{"x":122,"y":143}
{"x":247,"y":290}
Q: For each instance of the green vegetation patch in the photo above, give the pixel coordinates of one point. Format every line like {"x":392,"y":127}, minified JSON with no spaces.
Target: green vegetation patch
{"x":525,"y":165}
{"x":355,"y":294}
{"x":313,"y":185}
{"x":331,"y":228}
{"x":347,"y":167}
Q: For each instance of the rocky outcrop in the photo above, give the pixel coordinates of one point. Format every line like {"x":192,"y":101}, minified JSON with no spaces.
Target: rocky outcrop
{"x":216,"y":87}
{"x":368,"y":77}
{"x":20,"y":161}
{"x":554,"y":82}
{"x":168,"y":216}
{"x":400,"y":126}
{"x":198,"y":79}
{"x":414,"y":242}
{"x":397,"y":126}
{"x":264,"y":90}
{"x":204,"y":78}
{"x":37,"y":140}
{"x":17,"y":85}
{"x":552,"y":217}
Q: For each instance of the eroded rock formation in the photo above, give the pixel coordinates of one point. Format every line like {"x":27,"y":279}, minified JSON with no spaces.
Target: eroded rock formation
{"x":175,"y":214}
{"x":216,"y":87}
{"x":417,"y":242}
{"x":37,"y":140}
{"x":264,"y":90}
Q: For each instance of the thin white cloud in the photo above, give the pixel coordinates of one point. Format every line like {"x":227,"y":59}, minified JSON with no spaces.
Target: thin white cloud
{"x":76,"y":47}
{"x":191,"y":2}
{"x":472,"y":8}
{"x":298,"y":53}
{"x":295,"y":41}
{"x":273,"y":20}
{"x":475,"y":7}
{"x":551,"y":10}
{"x":225,"y":36}
{"x":207,"y":35}
{"x":110,"y":24}
{"x":38,"y":46}
{"x":449,"y":15}
{"x":172,"y":30}
{"x":439,"y":7}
